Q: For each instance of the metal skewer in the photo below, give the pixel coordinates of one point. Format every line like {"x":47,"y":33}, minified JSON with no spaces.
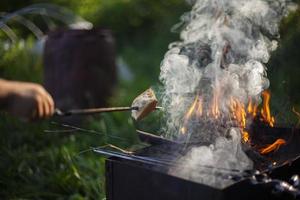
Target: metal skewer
{"x":91,"y":111}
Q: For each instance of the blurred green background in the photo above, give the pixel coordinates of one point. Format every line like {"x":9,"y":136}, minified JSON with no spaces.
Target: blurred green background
{"x":39,"y":165}
{"x":35,"y":164}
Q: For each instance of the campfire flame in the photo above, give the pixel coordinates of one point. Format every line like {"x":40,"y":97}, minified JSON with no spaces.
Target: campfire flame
{"x":241,"y":114}
{"x":265,"y":111}
{"x":273,"y":147}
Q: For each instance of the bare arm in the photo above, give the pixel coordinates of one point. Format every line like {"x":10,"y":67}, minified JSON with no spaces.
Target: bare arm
{"x":25,"y":100}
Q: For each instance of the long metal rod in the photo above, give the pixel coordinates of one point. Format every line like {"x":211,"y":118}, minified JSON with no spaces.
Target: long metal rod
{"x":91,"y":111}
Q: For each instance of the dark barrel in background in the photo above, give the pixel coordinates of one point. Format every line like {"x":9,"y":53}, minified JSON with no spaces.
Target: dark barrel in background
{"x":80,"y":68}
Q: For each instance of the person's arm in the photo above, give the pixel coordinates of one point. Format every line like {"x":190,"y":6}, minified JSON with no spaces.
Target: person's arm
{"x":25,"y":100}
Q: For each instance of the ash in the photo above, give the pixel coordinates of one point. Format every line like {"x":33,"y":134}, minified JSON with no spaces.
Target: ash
{"x":224,"y":47}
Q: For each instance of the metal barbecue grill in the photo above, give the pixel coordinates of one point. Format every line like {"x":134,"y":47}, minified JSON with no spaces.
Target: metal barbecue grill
{"x":144,"y":174}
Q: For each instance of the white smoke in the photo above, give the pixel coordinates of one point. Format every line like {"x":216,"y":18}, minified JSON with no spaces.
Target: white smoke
{"x":224,"y":46}
{"x":226,"y":153}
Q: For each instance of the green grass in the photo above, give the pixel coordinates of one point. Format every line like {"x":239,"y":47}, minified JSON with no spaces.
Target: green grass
{"x":39,"y":165}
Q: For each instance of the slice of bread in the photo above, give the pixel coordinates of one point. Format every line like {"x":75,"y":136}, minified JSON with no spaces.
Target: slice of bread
{"x":145,"y":104}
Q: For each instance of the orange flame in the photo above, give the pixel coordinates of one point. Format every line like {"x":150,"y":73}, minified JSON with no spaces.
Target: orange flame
{"x":197,"y":105}
{"x":239,"y":112}
{"x":192,"y":108}
{"x":199,"y":109}
{"x":215,"y":112}
{"x":273,"y":147}
{"x":252,"y":108}
{"x":246,"y":136}
{"x":265,"y":111}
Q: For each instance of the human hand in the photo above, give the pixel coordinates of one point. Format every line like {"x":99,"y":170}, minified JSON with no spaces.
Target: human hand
{"x":28,"y":101}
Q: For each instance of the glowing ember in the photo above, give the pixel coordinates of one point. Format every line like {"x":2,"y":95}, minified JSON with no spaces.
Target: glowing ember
{"x":273,"y":147}
{"x":242,"y":114}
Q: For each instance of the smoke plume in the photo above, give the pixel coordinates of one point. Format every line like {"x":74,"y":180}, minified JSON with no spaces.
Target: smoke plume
{"x":224,"y":47}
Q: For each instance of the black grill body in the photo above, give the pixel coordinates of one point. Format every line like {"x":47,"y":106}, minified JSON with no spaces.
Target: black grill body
{"x":133,"y":179}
